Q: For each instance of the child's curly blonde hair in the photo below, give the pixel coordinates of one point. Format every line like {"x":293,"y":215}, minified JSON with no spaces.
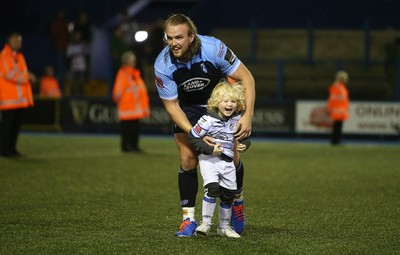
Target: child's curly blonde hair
{"x":234,"y":91}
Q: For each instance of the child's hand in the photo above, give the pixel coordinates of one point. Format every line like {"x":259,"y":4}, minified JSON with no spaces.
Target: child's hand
{"x":240,"y":147}
{"x":209,"y":140}
{"x":217,"y":150}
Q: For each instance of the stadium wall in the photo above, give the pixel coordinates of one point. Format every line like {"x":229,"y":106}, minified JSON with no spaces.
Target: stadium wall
{"x":99,"y":115}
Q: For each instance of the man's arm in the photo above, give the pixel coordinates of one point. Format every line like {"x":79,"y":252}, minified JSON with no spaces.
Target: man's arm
{"x":177,"y":115}
{"x":13,"y":72}
{"x":244,"y":126}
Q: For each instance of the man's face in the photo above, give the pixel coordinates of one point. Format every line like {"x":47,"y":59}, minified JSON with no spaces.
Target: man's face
{"x":130,"y":61}
{"x":179,"y":40}
{"x":15,"y":42}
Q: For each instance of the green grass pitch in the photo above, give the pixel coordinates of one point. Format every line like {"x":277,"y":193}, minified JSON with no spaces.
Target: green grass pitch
{"x":75,"y":194}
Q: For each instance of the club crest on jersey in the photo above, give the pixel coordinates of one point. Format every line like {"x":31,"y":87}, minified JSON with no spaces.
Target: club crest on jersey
{"x":203,"y":68}
{"x":194,"y":84}
{"x":221,"y":50}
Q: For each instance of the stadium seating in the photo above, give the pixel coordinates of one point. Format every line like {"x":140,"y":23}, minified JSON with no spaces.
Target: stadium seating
{"x":307,"y":75}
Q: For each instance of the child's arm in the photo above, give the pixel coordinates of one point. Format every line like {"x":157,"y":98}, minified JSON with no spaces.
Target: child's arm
{"x":202,"y":147}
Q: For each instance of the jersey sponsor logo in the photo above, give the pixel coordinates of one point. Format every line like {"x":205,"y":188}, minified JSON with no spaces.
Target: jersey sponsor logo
{"x":159,"y":82}
{"x":230,"y":56}
{"x":221,"y":136}
{"x":221,"y":49}
{"x":194,"y":84}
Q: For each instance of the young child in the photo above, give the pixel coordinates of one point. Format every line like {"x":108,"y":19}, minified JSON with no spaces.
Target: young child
{"x":216,"y":161}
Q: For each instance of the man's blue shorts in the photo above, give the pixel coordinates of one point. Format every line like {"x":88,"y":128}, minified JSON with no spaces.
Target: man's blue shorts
{"x":193,"y":113}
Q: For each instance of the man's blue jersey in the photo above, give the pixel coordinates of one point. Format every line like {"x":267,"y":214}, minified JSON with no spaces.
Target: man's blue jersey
{"x":193,"y":82}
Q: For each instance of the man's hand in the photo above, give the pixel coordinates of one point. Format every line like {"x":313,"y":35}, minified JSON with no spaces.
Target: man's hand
{"x":32,"y":77}
{"x":243,"y":127}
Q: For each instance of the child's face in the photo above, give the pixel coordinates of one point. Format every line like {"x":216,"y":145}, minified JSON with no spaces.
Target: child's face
{"x":227,"y":106}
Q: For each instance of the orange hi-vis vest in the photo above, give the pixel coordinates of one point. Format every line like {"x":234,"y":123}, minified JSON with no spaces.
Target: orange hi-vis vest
{"x":130,"y":94}
{"x":49,"y":87}
{"x":15,"y":88}
{"x":338,"y":101}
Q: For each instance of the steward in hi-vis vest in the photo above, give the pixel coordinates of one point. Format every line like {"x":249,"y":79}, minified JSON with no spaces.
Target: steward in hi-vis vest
{"x":132,"y":100}
{"x":15,"y":94}
{"x":15,"y":87}
{"x":338,"y":105}
{"x":49,"y":87}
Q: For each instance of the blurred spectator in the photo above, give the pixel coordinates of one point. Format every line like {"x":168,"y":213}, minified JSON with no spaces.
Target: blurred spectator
{"x":155,"y":42}
{"x":15,"y":94}
{"x":338,"y":105}
{"x":132,"y":100}
{"x":49,"y":87}
{"x":117,"y":47}
{"x":83,"y":25}
{"x":77,"y":53}
{"x":60,"y":36}
{"x":129,"y":28}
